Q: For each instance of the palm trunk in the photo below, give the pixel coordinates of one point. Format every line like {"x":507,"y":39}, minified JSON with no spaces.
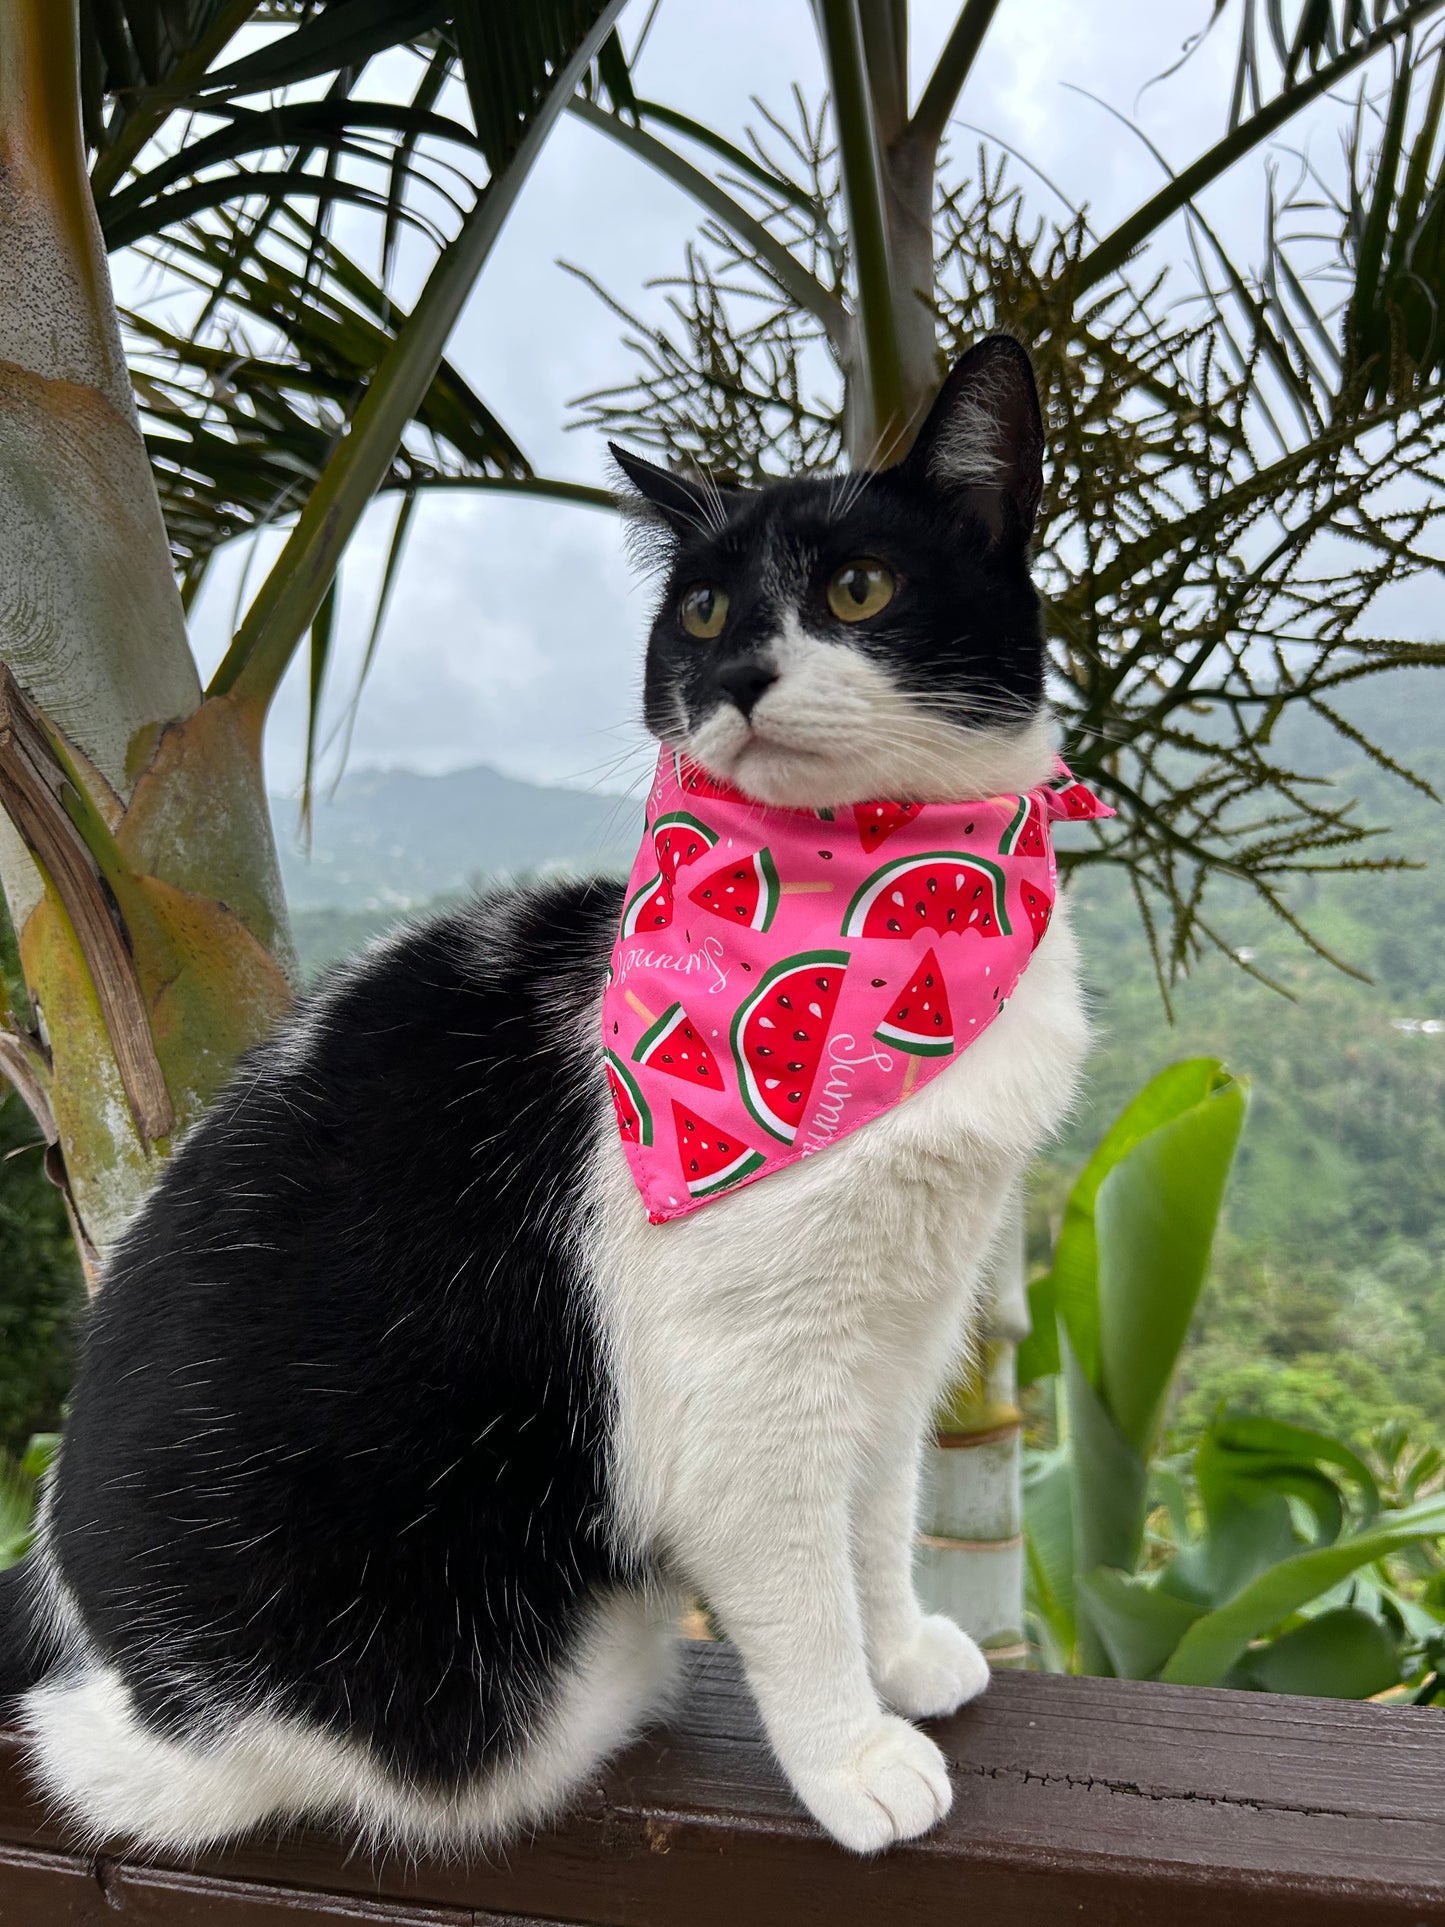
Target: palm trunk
{"x":137,"y":859}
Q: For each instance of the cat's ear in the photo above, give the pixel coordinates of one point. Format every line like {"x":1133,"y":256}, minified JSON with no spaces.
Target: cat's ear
{"x":983,"y":441}
{"x":685,"y":503}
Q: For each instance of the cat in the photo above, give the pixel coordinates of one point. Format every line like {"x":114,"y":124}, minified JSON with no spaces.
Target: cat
{"x":400,"y":1438}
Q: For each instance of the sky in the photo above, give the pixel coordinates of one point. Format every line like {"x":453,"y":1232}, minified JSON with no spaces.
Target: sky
{"x":516,"y":631}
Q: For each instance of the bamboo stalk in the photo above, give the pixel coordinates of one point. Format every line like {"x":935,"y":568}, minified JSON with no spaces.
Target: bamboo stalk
{"x":970,"y":1553}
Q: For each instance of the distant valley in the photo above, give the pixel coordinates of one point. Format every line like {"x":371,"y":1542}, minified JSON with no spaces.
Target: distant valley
{"x":390,"y":840}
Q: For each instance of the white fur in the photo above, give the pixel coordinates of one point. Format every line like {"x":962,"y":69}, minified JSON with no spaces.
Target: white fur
{"x":777,"y":1356}
{"x":117,"y":1777}
{"x":836,"y":729}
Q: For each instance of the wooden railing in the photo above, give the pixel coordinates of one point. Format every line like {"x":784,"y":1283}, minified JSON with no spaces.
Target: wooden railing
{"x":1080,"y":1801}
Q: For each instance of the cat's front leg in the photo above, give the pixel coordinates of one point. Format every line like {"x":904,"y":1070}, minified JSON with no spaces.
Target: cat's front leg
{"x":773,"y":1561}
{"x":924,"y":1664}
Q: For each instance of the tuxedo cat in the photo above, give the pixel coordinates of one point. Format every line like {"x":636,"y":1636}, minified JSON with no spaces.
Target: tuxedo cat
{"x":400,"y":1436}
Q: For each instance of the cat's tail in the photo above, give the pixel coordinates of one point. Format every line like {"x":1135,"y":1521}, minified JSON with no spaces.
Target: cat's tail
{"x":27,"y":1650}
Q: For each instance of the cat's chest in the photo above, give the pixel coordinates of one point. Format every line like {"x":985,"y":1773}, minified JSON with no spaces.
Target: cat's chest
{"x":896,"y":1209}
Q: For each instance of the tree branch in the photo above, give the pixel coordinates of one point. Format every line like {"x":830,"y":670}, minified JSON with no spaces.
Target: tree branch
{"x":861,"y":166}
{"x":1114,"y":250}
{"x":946,"y":82}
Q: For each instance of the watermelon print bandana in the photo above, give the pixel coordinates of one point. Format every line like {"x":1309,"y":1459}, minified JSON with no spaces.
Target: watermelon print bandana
{"x":781,"y":976}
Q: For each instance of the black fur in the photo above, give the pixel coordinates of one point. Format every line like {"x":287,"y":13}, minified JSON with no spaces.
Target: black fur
{"x":337,"y":1426}
{"x":26,"y":1653}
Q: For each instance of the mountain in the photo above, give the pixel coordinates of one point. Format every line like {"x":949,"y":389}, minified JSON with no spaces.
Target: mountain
{"x":389,"y":839}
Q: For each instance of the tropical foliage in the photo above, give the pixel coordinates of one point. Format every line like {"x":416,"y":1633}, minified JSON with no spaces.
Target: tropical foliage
{"x":1267,"y":1555}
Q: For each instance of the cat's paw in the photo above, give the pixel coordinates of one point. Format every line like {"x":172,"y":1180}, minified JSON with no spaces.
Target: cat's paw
{"x":894,"y":1787}
{"x":939,"y":1670}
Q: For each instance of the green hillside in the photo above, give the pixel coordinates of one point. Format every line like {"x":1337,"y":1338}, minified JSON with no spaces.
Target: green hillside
{"x":1329,"y":1298}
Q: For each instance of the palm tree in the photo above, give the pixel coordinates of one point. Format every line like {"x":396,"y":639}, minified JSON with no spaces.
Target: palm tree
{"x":137,"y":860}
{"x":1202,"y":456}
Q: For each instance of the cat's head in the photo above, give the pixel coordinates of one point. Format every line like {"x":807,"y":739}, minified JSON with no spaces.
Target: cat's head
{"x":826,"y":642}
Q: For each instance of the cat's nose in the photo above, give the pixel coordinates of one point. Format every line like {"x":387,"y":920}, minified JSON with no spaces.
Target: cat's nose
{"x":744,"y":681}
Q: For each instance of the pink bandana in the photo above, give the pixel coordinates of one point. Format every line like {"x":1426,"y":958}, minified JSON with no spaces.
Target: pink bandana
{"x":782,"y":976}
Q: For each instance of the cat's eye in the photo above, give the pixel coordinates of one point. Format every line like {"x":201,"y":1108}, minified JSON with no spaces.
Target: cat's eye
{"x":703,"y":610}
{"x":859,"y":590}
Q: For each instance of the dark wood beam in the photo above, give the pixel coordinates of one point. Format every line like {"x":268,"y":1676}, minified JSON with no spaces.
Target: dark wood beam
{"x":1100,"y":1802}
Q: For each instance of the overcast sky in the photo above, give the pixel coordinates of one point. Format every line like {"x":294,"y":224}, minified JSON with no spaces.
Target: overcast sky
{"x":515,"y":634}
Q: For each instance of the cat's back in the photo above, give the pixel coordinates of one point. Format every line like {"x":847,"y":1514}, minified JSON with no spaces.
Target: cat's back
{"x":395,"y":1115}
{"x":349,"y":1305}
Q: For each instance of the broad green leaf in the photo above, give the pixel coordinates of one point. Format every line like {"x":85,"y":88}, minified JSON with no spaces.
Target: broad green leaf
{"x":1038,"y":1355}
{"x":1214,"y":1643}
{"x":1256,"y":1443}
{"x":1154,"y":1223}
{"x":1049,"y":1548}
{"x":1138,"y":1625}
{"x":1248,"y":1532}
{"x":1110,"y":1482}
{"x":1075,"y":1269}
{"x":1345,"y":1654}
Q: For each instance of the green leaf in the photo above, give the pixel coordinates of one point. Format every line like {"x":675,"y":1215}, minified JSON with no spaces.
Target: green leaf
{"x":1111,"y":1479}
{"x":342,"y":36}
{"x":1213,"y":1644}
{"x":292,"y":592}
{"x":1155,"y":1215}
{"x":1049,"y":1548}
{"x":323,"y":629}
{"x":1138,"y":1625}
{"x":1171,"y":1095}
{"x":1344,"y":1654}
{"x":1038,"y":1355}
{"x":1247,"y":1533}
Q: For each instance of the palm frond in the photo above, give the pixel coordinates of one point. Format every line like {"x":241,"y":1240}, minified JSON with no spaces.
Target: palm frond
{"x":1195,"y":588}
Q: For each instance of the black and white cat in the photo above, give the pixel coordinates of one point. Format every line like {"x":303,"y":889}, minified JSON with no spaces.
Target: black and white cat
{"x":400,"y":1435}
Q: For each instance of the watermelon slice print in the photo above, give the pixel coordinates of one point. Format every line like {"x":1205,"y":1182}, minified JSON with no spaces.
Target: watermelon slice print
{"x":877,"y":821}
{"x":944,"y":891}
{"x":1038,"y":907}
{"x":921,"y":1020}
{"x":1075,"y":799}
{"x":778,"y":1036}
{"x":672,"y":1044}
{"x":678,"y":838}
{"x":711,"y":1160}
{"x":649,"y":908}
{"x":634,"y":1119}
{"x":743,"y":892}
{"x":1025,"y":833}
{"x":694,"y":780}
